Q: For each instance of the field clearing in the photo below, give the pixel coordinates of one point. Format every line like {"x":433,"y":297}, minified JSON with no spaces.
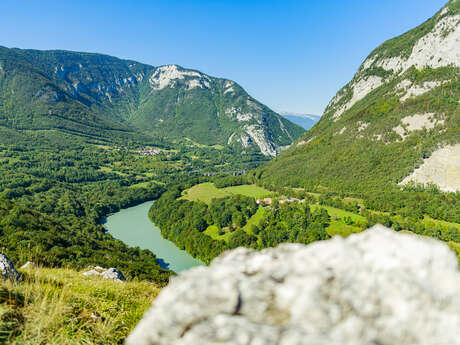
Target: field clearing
{"x":447,"y":225}
{"x":204,"y":192}
{"x":213,"y":232}
{"x":340,"y":214}
{"x":344,"y":230}
{"x":110,"y":170}
{"x":207,"y":191}
{"x":250,"y":190}
{"x":257,"y":219}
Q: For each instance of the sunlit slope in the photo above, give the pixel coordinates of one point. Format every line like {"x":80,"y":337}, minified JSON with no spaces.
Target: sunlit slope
{"x":401,"y":107}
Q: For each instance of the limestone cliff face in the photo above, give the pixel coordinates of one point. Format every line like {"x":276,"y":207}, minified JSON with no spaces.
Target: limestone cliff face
{"x":401,"y":107}
{"x":434,"y":45}
{"x":377,"y":287}
{"x":211,"y":111}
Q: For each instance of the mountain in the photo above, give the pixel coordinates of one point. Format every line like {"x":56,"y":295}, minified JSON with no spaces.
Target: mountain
{"x":99,"y":95}
{"x":396,"y":122}
{"x":306,"y":121}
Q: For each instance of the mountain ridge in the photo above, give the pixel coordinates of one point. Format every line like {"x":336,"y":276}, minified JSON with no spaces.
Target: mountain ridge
{"x":93,"y":92}
{"x":400,"y":108}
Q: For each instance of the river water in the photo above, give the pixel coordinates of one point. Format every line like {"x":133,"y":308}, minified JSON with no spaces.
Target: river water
{"x":133,"y":227}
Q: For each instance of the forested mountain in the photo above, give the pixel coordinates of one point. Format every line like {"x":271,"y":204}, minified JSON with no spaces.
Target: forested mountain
{"x":98,"y":95}
{"x":396,"y":122}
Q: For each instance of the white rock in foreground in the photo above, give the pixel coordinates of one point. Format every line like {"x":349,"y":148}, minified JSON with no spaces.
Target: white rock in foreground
{"x":378,"y":287}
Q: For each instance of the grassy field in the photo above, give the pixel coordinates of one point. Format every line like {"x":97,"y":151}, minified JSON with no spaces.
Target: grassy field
{"x":249,"y":190}
{"x":204,"y":192}
{"x":440,"y":223}
{"x":341,"y":214}
{"x":337,"y":226}
{"x":59,"y":306}
{"x":213,"y":232}
{"x":110,"y":170}
{"x":207,"y":191}
{"x":256,"y":219}
{"x":342,"y":229}
{"x":145,"y":184}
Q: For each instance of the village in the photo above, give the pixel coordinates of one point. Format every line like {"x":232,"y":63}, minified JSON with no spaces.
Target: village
{"x":147,"y":151}
{"x":269,"y":201}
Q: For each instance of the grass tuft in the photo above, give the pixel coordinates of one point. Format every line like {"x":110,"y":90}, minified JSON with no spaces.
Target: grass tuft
{"x":61,"y":306}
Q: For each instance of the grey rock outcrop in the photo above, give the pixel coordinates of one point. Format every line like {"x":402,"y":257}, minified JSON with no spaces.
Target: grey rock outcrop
{"x":7,"y":269}
{"x":111,"y":273}
{"x":377,"y":287}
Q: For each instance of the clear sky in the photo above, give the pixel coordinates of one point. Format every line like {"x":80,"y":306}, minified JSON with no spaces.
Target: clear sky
{"x":291,"y":55}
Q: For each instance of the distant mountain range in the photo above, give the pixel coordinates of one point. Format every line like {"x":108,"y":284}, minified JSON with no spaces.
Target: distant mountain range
{"x":306,"y":121}
{"x":99,"y":95}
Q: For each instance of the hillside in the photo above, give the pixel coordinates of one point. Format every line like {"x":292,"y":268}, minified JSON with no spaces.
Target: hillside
{"x":397,"y":121}
{"x":62,"y":306}
{"x":27,"y":235}
{"x":102,"y":96}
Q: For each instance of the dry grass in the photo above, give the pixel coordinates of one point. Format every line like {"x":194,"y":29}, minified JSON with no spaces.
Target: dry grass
{"x":60,"y":306}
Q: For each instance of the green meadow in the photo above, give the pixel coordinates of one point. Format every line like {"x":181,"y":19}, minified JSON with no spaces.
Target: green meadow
{"x":207,"y":191}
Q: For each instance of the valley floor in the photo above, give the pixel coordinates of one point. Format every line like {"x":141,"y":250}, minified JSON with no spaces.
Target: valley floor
{"x":347,"y":215}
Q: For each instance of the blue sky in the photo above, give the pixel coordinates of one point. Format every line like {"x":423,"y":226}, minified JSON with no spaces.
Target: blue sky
{"x":291,"y":55}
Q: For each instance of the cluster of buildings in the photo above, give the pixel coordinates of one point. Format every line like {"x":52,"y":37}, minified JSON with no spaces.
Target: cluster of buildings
{"x":145,"y":151}
{"x":269,"y":201}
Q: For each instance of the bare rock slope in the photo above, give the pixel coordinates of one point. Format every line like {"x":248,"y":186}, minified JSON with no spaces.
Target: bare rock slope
{"x":442,"y":168}
{"x":378,"y":287}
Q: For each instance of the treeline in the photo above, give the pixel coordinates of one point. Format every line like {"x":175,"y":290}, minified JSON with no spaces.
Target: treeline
{"x":412,"y":203}
{"x":430,"y":229}
{"x":416,"y":203}
{"x":28,"y":235}
{"x":294,"y":223}
{"x":184,"y":223}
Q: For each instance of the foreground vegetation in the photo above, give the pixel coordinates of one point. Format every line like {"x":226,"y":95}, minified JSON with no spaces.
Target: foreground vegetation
{"x":61,"y":306}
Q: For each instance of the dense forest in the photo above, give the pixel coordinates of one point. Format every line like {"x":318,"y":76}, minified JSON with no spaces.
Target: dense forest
{"x":186,"y":223}
{"x":296,"y":215}
{"x":57,"y":188}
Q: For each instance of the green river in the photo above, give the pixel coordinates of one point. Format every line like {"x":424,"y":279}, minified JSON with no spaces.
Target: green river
{"x":133,"y":227}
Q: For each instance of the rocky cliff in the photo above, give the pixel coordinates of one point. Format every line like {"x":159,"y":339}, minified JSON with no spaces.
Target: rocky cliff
{"x":397,"y":121}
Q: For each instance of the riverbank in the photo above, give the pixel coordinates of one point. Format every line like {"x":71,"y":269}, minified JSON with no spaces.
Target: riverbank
{"x":133,"y":226}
